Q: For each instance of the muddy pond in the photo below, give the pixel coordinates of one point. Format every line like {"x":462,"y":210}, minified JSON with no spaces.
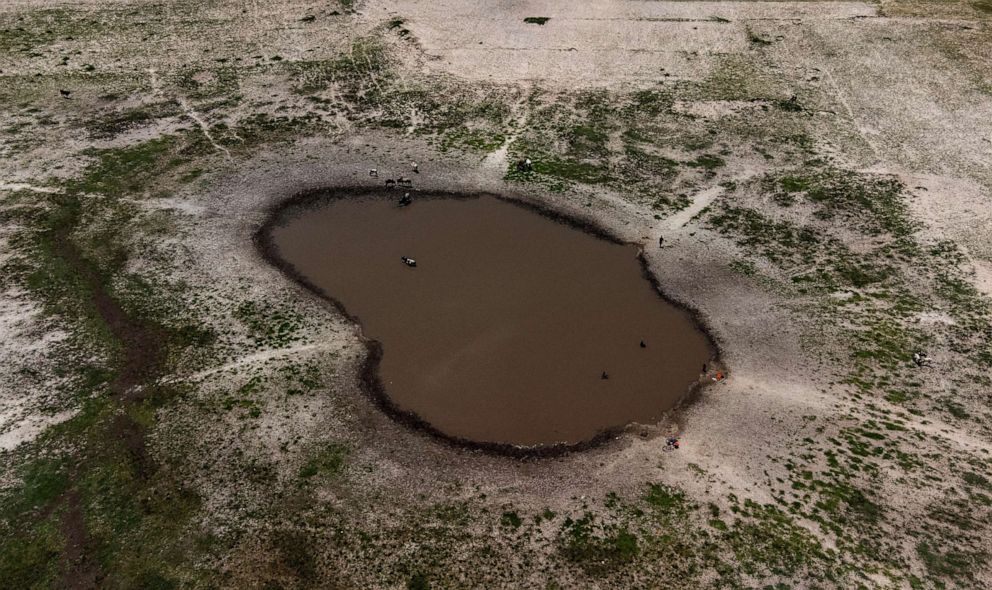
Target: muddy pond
{"x":512,"y":328}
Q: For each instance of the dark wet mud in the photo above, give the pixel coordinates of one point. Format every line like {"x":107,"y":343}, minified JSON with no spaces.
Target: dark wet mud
{"x":512,"y":328}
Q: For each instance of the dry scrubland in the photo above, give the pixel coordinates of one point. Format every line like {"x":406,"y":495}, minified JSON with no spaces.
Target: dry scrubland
{"x":175,"y":413}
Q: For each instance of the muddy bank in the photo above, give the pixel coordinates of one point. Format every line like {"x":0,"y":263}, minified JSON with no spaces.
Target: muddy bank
{"x":515,"y":333}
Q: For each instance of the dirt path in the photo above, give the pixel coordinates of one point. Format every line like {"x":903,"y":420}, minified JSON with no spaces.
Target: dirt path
{"x":258,"y":357}
{"x":191,"y":113}
{"x":496,"y":161}
{"x":863,"y":131}
{"x":700,"y":201}
{"x":676,"y":224}
{"x":79,"y":572}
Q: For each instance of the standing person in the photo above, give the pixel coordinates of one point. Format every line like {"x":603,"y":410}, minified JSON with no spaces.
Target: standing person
{"x":416,"y":169}
{"x":661,"y":241}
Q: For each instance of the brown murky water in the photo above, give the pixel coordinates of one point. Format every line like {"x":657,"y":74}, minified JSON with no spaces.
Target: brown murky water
{"x":503,"y":330}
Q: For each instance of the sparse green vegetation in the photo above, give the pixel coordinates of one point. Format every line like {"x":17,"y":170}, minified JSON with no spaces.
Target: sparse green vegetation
{"x":268,"y":325}
{"x":597,"y":548}
{"x":240,"y":450}
{"x":327,"y":463}
{"x":511,"y":520}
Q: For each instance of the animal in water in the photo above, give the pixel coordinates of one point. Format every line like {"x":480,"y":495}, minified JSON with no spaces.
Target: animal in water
{"x":406,"y":200}
{"x":605,"y":375}
{"x":408,"y":261}
{"x":643,"y":345}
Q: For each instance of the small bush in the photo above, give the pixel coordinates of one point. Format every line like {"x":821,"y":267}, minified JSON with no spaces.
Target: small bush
{"x":510,"y":519}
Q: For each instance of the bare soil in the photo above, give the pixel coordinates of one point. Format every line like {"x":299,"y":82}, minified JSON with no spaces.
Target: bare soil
{"x":818,"y":171}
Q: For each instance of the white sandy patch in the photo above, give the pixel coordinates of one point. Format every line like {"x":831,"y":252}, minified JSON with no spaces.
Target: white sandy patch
{"x":983,"y":276}
{"x":24,"y":343}
{"x":23,"y":186}
{"x":715,"y":109}
{"x":29,"y":428}
{"x":590,"y":43}
{"x":176,"y":204}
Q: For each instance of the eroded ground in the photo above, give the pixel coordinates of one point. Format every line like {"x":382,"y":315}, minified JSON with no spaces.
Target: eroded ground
{"x":175,"y":413}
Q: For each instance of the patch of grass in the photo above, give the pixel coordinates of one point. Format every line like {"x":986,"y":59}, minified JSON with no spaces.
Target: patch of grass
{"x":510,"y":520}
{"x":642,"y":163}
{"x":30,"y":559}
{"x":765,"y":540}
{"x":537,"y":20}
{"x":976,"y":479}
{"x":790,"y":105}
{"x":950,"y":563}
{"x":263,"y":128}
{"x":795,"y":184}
{"x":744,"y":267}
{"x":666,"y":499}
{"x":270,"y":325}
{"x":34,"y":30}
{"x":43,"y":481}
{"x":779,"y":241}
{"x":874,"y":202}
{"x":294,"y":550}
{"x":650,"y":102}
{"x":718,"y":524}
{"x":329,"y":462}
{"x":112,"y":124}
{"x":756,"y":40}
{"x":707,"y":162}
{"x":955,"y":409}
{"x":128,"y":171}
{"x":480,"y":140}
{"x":573,"y":171}
{"x":360,"y":74}
{"x":597,"y":549}
{"x":418,"y":582}
{"x":588,"y":134}
{"x":202,"y":83}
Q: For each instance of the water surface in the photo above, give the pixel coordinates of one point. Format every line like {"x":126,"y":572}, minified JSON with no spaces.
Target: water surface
{"x":505,"y":327}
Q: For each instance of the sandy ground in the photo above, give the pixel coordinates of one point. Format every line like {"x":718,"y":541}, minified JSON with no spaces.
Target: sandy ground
{"x":592,"y":44}
{"x":887,"y":89}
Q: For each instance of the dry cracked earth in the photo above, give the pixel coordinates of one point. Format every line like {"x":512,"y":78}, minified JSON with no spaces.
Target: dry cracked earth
{"x":175,"y":413}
